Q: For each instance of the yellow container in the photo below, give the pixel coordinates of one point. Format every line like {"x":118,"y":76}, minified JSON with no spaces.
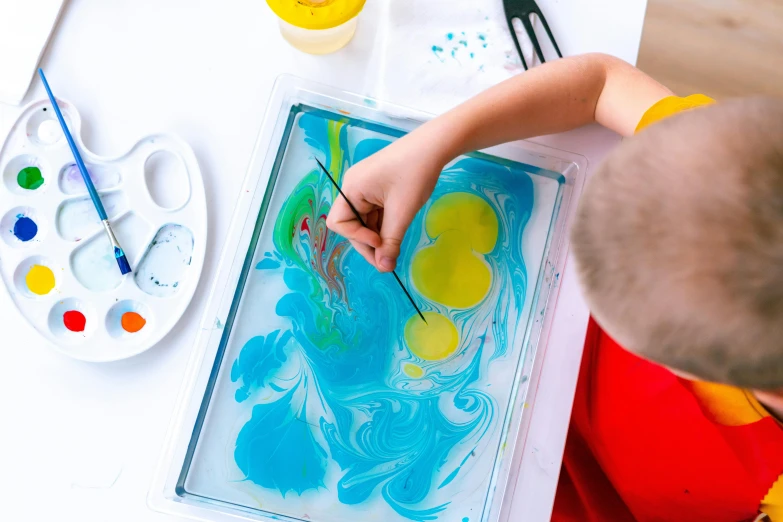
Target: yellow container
{"x":317,"y":26}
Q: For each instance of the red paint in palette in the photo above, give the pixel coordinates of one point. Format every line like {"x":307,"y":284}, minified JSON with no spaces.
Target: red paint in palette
{"x":74,"y":320}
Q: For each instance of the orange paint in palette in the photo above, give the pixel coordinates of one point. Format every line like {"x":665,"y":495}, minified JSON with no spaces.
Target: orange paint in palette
{"x":132,"y":322}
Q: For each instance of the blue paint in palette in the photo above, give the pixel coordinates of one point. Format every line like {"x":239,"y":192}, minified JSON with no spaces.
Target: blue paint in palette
{"x":25,"y":228}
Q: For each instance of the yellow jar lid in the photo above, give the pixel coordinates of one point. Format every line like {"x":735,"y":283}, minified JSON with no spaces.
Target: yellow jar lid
{"x":312,"y":14}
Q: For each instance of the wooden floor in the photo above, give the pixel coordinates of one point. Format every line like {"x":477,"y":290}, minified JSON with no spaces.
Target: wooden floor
{"x":720,"y":48}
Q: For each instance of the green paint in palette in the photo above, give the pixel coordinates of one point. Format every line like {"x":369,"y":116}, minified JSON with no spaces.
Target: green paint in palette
{"x":30,"y":178}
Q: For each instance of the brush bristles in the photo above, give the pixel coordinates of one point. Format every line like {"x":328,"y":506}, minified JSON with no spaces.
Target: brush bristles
{"x":124,"y":265}
{"x":122,"y":261}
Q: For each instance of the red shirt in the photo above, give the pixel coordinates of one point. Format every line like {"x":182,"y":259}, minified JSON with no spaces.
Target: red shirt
{"x":646,"y":445}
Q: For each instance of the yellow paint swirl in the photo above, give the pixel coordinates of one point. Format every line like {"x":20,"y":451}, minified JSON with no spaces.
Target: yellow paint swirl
{"x":451,"y":270}
{"x":412,"y":370}
{"x":434,"y":340}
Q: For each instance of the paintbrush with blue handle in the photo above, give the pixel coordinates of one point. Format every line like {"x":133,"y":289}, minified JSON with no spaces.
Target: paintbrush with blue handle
{"x":119,"y":254}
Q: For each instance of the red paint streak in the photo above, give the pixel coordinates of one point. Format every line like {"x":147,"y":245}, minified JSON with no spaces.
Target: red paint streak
{"x":74,"y":320}
{"x":305,"y":226}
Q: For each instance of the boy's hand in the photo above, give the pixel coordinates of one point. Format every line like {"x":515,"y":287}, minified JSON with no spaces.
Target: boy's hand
{"x":387,"y":189}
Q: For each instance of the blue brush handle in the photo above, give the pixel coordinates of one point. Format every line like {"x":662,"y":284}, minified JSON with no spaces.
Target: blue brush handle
{"x":85,"y":175}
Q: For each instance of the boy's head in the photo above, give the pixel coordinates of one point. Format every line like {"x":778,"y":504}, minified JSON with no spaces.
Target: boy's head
{"x":679,"y":243}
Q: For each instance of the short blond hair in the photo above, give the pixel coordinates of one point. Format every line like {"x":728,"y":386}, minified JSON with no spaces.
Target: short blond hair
{"x":679,"y":243}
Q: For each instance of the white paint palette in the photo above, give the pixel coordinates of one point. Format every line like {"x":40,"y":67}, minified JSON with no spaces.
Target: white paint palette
{"x":55,"y":258}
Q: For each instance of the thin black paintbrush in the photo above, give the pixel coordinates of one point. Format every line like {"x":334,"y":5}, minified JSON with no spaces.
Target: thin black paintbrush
{"x":359,"y":217}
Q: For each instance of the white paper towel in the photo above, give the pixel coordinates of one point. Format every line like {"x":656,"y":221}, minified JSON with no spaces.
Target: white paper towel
{"x":433,"y":54}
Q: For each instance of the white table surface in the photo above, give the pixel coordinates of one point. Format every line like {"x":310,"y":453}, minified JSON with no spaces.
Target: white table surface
{"x":80,"y":442}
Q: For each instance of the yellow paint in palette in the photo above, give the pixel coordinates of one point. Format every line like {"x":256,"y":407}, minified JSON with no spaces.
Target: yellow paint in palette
{"x":451,"y":270}
{"x":434,"y":340}
{"x":40,"y":279}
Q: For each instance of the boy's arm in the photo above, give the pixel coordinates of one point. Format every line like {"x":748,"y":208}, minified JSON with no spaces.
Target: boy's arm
{"x":389,"y":187}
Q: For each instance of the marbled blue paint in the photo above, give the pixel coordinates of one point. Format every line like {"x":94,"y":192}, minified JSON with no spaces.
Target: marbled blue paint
{"x":349,"y":403}
{"x":267,"y":264}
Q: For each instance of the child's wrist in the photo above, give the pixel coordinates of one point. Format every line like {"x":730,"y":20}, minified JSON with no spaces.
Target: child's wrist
{"x":447,"y":139}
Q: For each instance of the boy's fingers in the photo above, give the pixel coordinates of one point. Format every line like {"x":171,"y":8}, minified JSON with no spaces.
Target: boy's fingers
{"x":395,"y":224}
{"x":354,"y":231}
{"x":366,"y":236}
{"x":367,"y":252}
{"x":373,"y":220}
{"x":386,"y":256}
{"x":341,"y":211}
{"x":343,"y":221}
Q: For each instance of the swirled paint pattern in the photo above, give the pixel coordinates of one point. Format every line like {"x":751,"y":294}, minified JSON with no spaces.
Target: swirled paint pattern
{"x":354,"y":399}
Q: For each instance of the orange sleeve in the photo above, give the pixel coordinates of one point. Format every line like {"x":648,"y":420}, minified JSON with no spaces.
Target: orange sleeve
{"x":670,"y":106}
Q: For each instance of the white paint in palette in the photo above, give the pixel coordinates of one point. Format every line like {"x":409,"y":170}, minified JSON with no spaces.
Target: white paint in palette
{"x":166,"y":262}
{"x":103,"y":177}
{"x":77,"y":218}
{"x":49,"y":132}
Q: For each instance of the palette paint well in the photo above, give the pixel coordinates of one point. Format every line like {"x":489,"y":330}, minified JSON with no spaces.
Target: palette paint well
{"x":25,"y":228}
{"x":30,"y":178}
{"x":103,"y":177}
{"x":40,"y":279}
{"x":166,"y":262}
{"x":94,"y":264}
{"x":77,"y":218}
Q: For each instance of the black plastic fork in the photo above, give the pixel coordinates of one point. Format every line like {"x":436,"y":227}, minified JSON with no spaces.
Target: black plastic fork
{"x":522,"y":9}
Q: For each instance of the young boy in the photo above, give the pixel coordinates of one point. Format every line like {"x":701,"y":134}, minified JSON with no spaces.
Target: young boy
{"x":679,"y":246}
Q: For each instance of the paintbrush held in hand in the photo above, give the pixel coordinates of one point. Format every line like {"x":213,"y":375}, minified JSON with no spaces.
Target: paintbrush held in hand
{"x":361,"y":220}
